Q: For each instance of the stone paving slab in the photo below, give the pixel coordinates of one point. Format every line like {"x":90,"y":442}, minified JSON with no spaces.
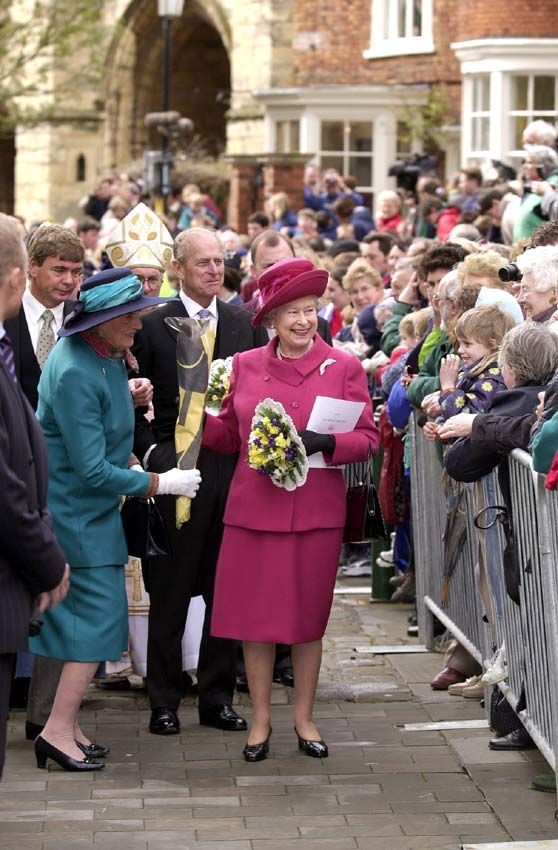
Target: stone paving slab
{"x":381,"y":788}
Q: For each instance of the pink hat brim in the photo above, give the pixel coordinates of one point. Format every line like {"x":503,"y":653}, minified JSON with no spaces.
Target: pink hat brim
{"x":303,"y":285}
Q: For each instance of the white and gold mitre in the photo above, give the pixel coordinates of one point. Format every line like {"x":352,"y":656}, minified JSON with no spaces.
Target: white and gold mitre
{"x":140,"y":239}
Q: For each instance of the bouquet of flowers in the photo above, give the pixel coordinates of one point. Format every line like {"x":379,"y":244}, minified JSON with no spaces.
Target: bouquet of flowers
{"x":274,"y":447}
{"x":218,"y":385}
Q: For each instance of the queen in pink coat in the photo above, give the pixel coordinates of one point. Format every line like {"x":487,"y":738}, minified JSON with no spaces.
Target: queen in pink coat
{"x":280,"y":552}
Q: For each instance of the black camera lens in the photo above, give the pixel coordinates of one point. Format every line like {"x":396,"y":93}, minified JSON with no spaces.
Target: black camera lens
{"x":511,"y":272}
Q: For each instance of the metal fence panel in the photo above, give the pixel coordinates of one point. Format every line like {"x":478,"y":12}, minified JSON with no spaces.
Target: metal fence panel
{"x":530,"y":630}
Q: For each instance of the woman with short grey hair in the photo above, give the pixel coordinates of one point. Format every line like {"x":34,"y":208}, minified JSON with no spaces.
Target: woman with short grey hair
{"x":541,"y":164}
{"x":537,"y":293}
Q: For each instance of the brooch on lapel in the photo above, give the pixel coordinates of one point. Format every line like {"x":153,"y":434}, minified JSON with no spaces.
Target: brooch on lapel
{"x":325,"y":364}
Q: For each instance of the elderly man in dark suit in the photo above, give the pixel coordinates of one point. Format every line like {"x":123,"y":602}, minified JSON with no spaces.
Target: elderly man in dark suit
{"x":32,"y":565}
{"x":172,"y":581}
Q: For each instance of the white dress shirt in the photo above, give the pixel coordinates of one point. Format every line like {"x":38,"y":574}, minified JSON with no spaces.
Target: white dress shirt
{"x":34,"y":310}
{"x":193,"y":308}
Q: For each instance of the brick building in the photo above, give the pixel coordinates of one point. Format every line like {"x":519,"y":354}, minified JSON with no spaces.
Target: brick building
{"x":279,"y":82}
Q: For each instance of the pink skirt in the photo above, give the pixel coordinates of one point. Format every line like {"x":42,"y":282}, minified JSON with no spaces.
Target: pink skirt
{"x":275,"y":587}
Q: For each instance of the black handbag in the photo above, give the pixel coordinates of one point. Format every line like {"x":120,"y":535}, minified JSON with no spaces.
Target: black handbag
{"x":364,"y":521}
{"x":510,"y":555}
{"x":144,"y":529}
{"x":503,"y":718}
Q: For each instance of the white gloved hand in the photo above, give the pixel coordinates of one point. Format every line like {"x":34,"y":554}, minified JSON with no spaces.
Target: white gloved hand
{"x":179,"y":482}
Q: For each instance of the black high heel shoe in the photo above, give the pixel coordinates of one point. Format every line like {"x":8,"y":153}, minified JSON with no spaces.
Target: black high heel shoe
{"x":93,"y":751}
{"x":44,"y":751}
{"x":257,"y":752}
{"x":316,"y":749}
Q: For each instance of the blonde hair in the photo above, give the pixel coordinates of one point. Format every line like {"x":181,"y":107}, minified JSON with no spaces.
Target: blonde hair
{"x":358,"y":270}
{"x":482,"y":263}
{"x":407,"y":326}
{"x":487,"y":325}
{"x":420,"y":321}
{"x":388,"y":195}
{"x":277,"y":204}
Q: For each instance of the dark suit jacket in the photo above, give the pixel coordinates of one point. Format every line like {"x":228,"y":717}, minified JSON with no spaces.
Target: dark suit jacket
{"x":155,"y":350}
{"x":28,"y":370}
{"x":31,"y":561}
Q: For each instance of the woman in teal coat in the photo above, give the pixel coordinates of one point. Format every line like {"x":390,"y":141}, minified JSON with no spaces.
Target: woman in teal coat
{"x":86,"y":412}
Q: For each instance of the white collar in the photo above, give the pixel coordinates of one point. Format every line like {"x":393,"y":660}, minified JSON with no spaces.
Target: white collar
{"x":34,"y":309}
{"x":2,"y":330}
{"x":193,"y":308}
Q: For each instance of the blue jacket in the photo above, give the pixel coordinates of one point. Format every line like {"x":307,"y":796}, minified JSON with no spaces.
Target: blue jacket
{"x":87,"y":416}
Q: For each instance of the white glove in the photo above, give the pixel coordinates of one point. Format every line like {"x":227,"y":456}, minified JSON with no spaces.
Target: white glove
{"x":179,"y":482}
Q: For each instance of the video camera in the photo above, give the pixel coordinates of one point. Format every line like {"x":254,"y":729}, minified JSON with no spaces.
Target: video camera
{"x":408,"y":171}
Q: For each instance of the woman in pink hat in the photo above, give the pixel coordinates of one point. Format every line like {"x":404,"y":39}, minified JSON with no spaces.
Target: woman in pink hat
{"x":280,"y":550}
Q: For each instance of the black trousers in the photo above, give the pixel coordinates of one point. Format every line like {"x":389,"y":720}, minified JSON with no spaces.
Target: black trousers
{"x":171,"y":582}
{"x":7,"y":661}
{"x":43,"y":687}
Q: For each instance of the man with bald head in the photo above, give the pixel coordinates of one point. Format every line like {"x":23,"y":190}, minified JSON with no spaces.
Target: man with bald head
{"x":189,"y":569}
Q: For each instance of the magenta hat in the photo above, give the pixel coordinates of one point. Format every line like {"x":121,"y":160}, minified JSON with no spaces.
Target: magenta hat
{"x":287,"y":281}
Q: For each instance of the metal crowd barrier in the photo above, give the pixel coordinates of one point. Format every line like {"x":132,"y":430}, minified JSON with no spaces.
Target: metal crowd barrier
{"x":453,"y":600}
{"x":530,"y":630}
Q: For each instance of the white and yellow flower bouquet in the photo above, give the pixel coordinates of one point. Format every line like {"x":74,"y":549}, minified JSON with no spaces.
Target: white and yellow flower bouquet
{"x":218,"y":385}
{"x":274,"y":447}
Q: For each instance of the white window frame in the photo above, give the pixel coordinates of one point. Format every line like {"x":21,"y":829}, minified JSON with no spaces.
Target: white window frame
{"x":347,"y":154}
{"x":470,"y":113}
{"x":342,"y":103}
{"x":501,"y":59}
{"x":385,"y":40}
{"x":530,"y":112}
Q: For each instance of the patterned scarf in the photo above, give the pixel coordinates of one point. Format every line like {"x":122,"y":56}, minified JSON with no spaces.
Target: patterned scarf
{"x":104,"y":349}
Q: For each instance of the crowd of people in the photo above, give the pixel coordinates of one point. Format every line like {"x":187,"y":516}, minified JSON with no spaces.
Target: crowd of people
{"x":441,"y":305}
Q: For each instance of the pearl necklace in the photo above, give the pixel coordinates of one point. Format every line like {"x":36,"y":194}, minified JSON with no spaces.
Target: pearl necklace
{"x":281,"y":356}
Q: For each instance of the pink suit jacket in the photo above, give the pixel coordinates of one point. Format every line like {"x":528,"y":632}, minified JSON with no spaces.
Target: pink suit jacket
{"x":254,"y":502}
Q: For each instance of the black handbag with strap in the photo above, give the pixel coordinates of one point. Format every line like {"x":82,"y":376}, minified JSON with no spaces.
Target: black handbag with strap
{"x":144,"y":528}
{"x":510,"y":555}
{"x":364,"y":521}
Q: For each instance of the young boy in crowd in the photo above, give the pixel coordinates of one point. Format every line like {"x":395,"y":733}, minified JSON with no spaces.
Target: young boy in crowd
{"x":470,"y":379}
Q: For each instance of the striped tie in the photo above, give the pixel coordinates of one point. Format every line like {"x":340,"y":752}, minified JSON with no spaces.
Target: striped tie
{"x":7,"y":353}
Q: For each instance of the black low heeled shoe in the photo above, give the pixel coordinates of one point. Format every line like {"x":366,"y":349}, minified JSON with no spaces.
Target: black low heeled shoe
{"x":257,"y":752}
{"x":316,"y":749}
{"x":93,"y":751}
{"x":44,"y":751}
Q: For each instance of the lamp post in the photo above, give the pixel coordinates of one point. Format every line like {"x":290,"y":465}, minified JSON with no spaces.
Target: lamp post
{"x":167,"y":11}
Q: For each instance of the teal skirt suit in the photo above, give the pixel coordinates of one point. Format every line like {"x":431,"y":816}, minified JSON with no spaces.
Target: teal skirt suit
{"x":87,"y":416}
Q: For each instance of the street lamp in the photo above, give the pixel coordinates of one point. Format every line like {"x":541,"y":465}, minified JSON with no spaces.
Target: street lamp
{"x":167,"y":11}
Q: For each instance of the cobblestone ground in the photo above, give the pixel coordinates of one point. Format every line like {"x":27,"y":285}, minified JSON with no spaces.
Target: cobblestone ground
{"x":382,"y":788}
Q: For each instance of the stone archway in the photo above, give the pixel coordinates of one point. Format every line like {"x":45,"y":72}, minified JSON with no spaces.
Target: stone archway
{"x":199,"y":78}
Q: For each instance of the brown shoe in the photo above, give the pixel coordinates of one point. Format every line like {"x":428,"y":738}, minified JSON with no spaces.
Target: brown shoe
{"x":446,"y":677}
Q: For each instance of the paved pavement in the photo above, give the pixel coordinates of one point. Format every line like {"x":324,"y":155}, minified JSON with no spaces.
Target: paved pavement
{"x":382,"y":788}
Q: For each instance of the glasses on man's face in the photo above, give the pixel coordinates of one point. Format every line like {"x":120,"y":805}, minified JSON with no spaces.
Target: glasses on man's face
{"x":152,"y":282}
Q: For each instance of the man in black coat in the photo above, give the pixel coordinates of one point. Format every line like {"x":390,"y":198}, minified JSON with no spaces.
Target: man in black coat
{"x":55,"y":267}
{"x":32,"y":565}
{"x":190,"y":568}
